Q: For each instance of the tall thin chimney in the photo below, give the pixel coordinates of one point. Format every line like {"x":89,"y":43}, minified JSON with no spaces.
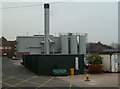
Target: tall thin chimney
{"x":46,"y":28}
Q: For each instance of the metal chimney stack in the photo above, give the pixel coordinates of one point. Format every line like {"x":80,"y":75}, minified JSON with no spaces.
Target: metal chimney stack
{"x":46,"y":28}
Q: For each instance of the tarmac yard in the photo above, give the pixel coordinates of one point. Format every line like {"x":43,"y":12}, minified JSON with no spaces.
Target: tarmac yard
{"x":16,"y":75}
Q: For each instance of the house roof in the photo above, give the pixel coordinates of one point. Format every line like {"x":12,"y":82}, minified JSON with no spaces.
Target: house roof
{"x":4,"y":42}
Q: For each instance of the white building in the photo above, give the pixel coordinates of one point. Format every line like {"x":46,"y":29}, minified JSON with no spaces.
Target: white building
{"x":64,"y":44}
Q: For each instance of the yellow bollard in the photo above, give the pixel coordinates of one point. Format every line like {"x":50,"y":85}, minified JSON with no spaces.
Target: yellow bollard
{"x":72,"y":71}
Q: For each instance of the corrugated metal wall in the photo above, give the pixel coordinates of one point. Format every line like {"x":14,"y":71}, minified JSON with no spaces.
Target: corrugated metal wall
{"x":64,"y":44}
{"x":24,"y":43}
{"x":82,"y":44}
{"x":73,"y":44}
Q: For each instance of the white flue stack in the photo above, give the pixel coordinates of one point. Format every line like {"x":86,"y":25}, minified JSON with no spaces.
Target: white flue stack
{"x":46,"y":28}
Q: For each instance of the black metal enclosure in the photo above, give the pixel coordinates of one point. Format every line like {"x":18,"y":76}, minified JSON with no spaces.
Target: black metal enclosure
{"x":43,"y":64}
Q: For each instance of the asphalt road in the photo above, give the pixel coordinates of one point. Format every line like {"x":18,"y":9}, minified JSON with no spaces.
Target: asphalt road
{"x":16,"y":76}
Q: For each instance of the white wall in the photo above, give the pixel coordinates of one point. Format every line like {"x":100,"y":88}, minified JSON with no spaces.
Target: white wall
{"x":25,"y":42}
{"x":106,"y":62}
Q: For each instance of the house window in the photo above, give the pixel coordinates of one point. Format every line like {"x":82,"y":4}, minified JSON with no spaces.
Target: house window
{"x":5,"y":47}
{"x":1,"y":47}
{"x":5,"y":54}
{"x":9,"y":47}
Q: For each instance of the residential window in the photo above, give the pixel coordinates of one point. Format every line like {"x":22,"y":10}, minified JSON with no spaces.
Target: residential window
{"x":5,"y":54}
{"x":1,"y":47}
{"x":9,"y":47}
{"x":6,"y":48}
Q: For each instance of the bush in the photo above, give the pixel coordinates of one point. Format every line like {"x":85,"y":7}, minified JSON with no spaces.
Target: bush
{"x":94,"y":59}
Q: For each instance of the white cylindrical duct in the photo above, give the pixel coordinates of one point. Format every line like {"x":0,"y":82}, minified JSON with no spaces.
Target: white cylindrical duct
{"x":82,"y":44}
{"x":46,"y":28}
{"x":64,"y":44}
{"x":73,"y":44}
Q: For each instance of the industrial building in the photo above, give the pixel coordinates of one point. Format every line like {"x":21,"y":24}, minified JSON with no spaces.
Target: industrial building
{"x":63,"y":52}
{"x":35,"y":45}
{"x":67,"y":43}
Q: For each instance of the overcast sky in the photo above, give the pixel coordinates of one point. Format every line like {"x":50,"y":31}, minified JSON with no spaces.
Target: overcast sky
{"x":98,"y":19}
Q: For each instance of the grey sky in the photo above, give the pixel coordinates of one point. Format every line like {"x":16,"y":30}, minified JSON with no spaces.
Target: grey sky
{"x":98,"y":19}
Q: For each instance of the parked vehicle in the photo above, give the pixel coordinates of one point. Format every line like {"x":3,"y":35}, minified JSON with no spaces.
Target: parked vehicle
{"x":21,"y":61}
{"x":86,"y":63}
{"x":15,"y":58}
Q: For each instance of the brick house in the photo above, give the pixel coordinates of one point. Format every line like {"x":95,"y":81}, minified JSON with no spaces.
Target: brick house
{"x":7,"y":48}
